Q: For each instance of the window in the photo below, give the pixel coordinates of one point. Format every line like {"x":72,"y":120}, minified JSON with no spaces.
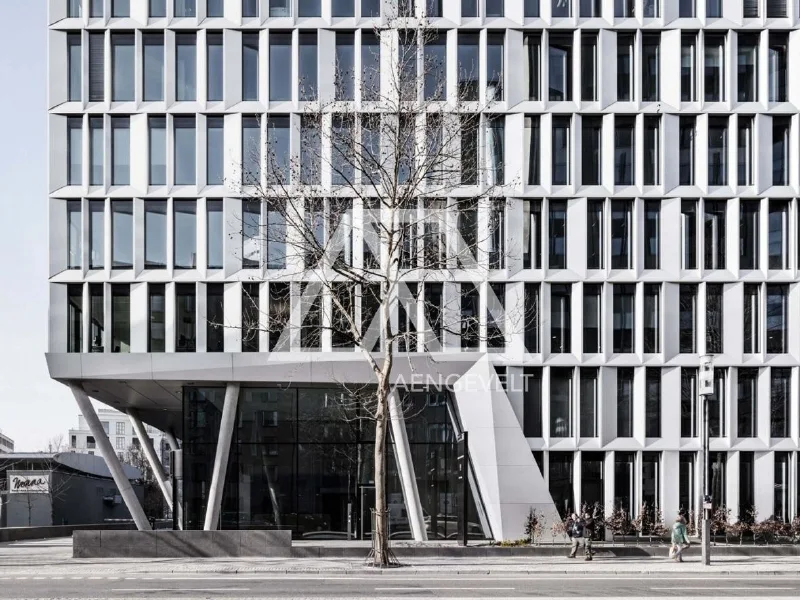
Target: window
{"x":215,"y":229}
{"x":96,"y":67}
{"x":469,"y":66}
{"x":689,"y":234}
{"x":531,"y":318}
{"x":777,"y":317}
{"x":561,"y":478}
{"x":588,"y":67}
{"x":560,"y":403}
{"x":751,"y":9}
{"x":625,"y":402}
{"x":215,"y":150}
{"x":686,"y":482}
{"x":532,"y":234}
{"x":621,"y":234}
{"x":155,"y":234}
{"x":497,"y":233}
{"x":74,"y":228}
{"x":561,"y":150}
{"x":686,"y":9}
{"x":251,"y":150}
{"x":310,"y":150}
{"x":592,"y":318}
{"x":532,"y":402}
{"x":251,"y":235}
{"x":686,"y":133}
{"x":276,"y":235}
{"x":214,"y":68}
{"x":780,"y":388}
{"x":495,"y":8}
{"x":651,"y":69}
{"x":215,"y":317}
{"x":652,"y":150}
{"x":433,"y":311}
{"x":624,"y":8}
{"x":251,"y":317}
{"x":184,"y":158}
{"x":747,"y":403}
{"x":121,"y":234}
{"x":780,"y":507}
{"x":97,"y":313}
{"x":74,"y":150}
{"x":716,"y":405}
{"x":122,"y":57}
{"x":278,"y":155}
{"x":469,"y":151}
{"x":780,"y":150}
{"x":158,"y":9}
{"x":778,"y":53}
{"x":745,"y":150}
{"x":652,"y":318}
{"x":623,"y":318}
{"x":591,"y":141}
{"x":185,"y":67}
{"x":558,"y":235}
{"x":749,"y":234}
{"x":714,"y":217}
{"x":469,"y":8}
{"x":652,"y":234}
{"x":250,"y":8}
{"x":74,"y":317}
{"x":156,"y":332}
{"x":588,"y":402}
{"x":153,"y":66}
{"x":185,"y":8}
{"x":689,"y":410}
{"x":250,"y":66}
{"x":407,"y":59}
{"x":533,"y":144}
{"x":345,"y":66}
{"x":714,"y":330}
{"x":560,"y":58}
{"x":561,"y":8}
{"x":97,"y":225}
{"x":185,"y":234}
{"x":280,"y":63}
{"x":470,"y":316}
{"x":625,"y":70}
{"x":752,"y":312}
{"x":688,"y":67}
{"x":533,"y":54}
{"x":215,"y":8}
{"x":74,"y":11}
{"x":688,"y":318}
{"x":624,"y":157}
{"x":716,"y":473}
{"x":307,"y":64}
{"x":279,"y":300}
{"x":746,"y":485}
{"x":778,"y":234}
{"x":776,"y":9}
{"x":595,"y":235}
{"x":591,"y":8}
{"x":652,"y":408}
{"x":713,"y":9}
{"x":718,"y":151}
{"x":714,"y":68}
{"x":747,"y":67}
{"x":185,"y":317}
{"x":495,"y":155}
{"x":120,"y":318}
{"x":342,"y":149}
{"x":75,"y":67}
{"x":494,"y":65}
{"x":371,"y":65}
{"x":560,"y":315}
{"x":96,"y":152}
{"x":158,"y":150}
{"x":342,"y":8}
{"x":651,"y":9}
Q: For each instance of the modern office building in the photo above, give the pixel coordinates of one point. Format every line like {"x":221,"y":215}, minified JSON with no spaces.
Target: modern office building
{"x":6,"y":443}
{"x":649,"y":153}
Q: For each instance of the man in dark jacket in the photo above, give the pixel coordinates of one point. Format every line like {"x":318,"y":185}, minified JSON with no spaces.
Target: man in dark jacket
{"x":588,"y":532}
{"x":575,"y":530}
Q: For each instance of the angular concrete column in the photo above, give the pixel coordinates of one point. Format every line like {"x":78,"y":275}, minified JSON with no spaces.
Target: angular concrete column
{"x":173,"y":445}
{"x":405,"y":466}
{"x":150,"y":454}
{"x":221,"y":459}
{"x":111,"y":458}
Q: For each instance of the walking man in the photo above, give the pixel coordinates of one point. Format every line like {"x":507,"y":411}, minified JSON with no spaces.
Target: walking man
{"x":678,"y":539}
{"x":576,"y":534}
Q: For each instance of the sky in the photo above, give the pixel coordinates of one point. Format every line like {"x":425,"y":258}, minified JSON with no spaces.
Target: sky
{"x":33,"y":408}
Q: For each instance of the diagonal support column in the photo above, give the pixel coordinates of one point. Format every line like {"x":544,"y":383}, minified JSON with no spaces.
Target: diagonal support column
{"x":405,"y":466}
{"x":171,"y":440}
{"x":111,"y":458}
{"x":173,"y":445}
{"x":221,"y":459}
{"x":152,"y":458}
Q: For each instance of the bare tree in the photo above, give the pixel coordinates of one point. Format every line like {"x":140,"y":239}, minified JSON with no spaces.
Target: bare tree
{"x":57,"y":443}
{"x":384,"y":229}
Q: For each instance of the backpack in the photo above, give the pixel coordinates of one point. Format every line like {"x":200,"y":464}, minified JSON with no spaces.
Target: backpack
{"x":577,"y":529}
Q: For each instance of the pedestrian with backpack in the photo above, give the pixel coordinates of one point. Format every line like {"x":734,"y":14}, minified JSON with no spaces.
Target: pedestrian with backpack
{"x":576,"y":530}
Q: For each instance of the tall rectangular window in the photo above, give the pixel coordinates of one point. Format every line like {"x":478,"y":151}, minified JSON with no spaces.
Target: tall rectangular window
{"x":74,"y":9}
{"x":280,"y":64}
{"x":714,"y":312}
{"x":495,"y":44}
{"x":781,"y":127}
{"x":531,"y":318}
{"x":625,"y":70}
{"x":652,"y":150}
{"x":776,"y":9}
{"x":251,"y":150}
{"x":345,"y":76}
{"x":621,"y":234}
{"x":561,"y":402}
{"x":215,"y":150}
{"x":718,"y":151}
{"x":747,"y":403}
{"x":74,"y":229}
{"x":371,"y":65}
{"x":713,"y":9}
{"x":560,"y":316}
{"x":652,"y":318}
{"x":591,"y":142}
{"x":561,"y":479}
{"x":686,"y":482}
{"x":752,"y":318}
{"x":97,"y":226}
{"x":157,"y":9}
{"x":120,"y":151}
{"x":96,"y":67}
{"x":155,"y":234}
{"x":153,"y":66}
{"x":558,"y":235}
{"x":342,"y":8}
{"x":594,"y":234}
{"x":74,"y":150}
{"x":745,"y":150}
{"x":625,"y":402}
{"x":588,"y":67}
{"x":686,"y":134}
{"x":777,"y":317}
{"x":714,"y":218}
{"x":624,"y":9}
{"x":469,"y":8}
{"x":276,"y":234}
{"x":434,"y":66}
{"x":651,"y":9}
{"x":74,"y":317}
{"x":185,"y":234}
{"x":185,"y":67}
{"x":780,"y":394}
{"x":591,"y":8}
{"x":469,"y":66}
{"x":279,"y":310}
{"x":306,"y":65}
{"x":156,"y":321}
{"x":532,"y":402}
{"x":651,"y":67}
{"x":495,"y":150}
{"x":157,"y":143}
{"x":652,"y":234}
{"x":686,"y":9}
{"x":250,"y":317}
{"x":184,"y":159}
{"x":717,"y":404}
{"x":251,"y":235}
{"x":96,"y":150}
{"x":470,"y":316}
{"x":532,"y":43}
{"x":592,"y":318}
{"x":121,"y":318}
{"x":532,"y":234}
{"x":749,"y":234}
{"x":215,"y":231}
{"x":469,"y":152}
{"x":185,"y":8}
{"x":215,"y":8}
{"x":750,"y":10}
{"x":215,"y":317}
{"x":250,"y":8}
{"x":782,"y":495}
{"x":778,"y":61}
{"x":588,"y":402}
{"x":278,"y":153}
{"x":250,"y":66}
{"x":533,"y":146}
{"x":689,"y":235}
{"x":214,"y":67}
{"x":310,"y":150}
{"x":185,"y":317}
{"x":560,"y":8}
{"x":97,"y":315}
{"x":747,"y":75}
{"x":689,"y":414}
{"x":652,"y":405}
{"x":623,"y":318}
{"x":121,"y":234}
{"x":778,"y":243}
{"x":624,"y":157}
{"x":75,"y":67}
{"x":687,"y":318}
{"x":561,"y":150}
{"x":689,"y":67}
{"x":407,"y":59}
{"x":560,"y":61}
{"x":122,"y":59}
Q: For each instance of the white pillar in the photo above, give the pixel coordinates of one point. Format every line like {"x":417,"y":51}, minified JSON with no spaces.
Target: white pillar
{"x":111,"y":458}
{"x":171,"y":440}
{"x":405,"y":466}
{"x":221,"y":459}
{"x":173,"y":445}
{"x":150,"y":453}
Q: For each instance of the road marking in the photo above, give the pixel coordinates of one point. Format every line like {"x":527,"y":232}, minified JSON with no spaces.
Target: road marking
{"x":717,"y":588}
{"x":181,"y":590}
{"x":446,"y":589}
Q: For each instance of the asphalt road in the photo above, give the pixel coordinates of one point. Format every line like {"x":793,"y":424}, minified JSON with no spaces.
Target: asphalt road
{"x":397,"y":586}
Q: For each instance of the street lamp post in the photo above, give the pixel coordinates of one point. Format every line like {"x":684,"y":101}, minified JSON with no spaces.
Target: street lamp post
{"x":706,"y":390}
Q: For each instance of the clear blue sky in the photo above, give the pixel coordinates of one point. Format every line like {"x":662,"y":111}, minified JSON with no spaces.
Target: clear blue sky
{"x":32,"y":407}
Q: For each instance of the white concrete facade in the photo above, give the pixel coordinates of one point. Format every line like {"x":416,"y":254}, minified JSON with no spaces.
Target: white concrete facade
{"x":151,"y":381}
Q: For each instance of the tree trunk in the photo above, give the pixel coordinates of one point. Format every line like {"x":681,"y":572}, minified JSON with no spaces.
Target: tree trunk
{"x":380,"y":532}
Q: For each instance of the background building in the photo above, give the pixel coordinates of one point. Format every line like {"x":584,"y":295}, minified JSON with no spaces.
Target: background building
{"x":6,"y":443}
{"x":650,"y":153}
